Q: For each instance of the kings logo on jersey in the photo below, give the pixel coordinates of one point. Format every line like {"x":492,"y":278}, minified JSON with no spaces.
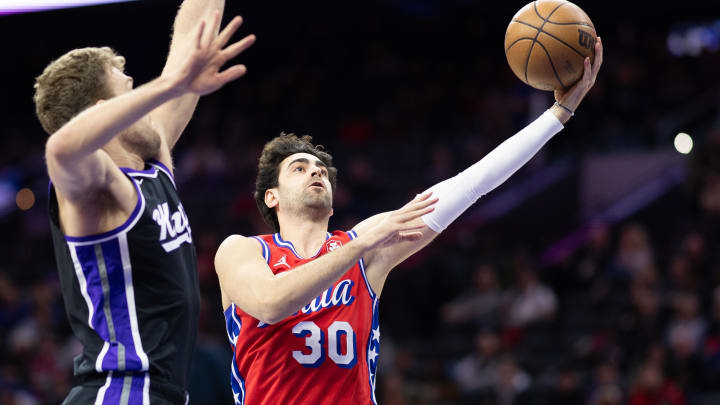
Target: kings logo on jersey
{"x":174,"y":228}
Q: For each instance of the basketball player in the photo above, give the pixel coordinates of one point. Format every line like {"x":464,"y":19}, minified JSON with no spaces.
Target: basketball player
{"x":122,"y":240}
{"x":301,"y":305}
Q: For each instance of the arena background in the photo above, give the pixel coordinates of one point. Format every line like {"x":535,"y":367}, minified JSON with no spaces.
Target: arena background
{"x":590,"y":277}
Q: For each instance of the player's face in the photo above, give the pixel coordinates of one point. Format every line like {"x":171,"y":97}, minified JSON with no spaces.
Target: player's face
{"x":119,"y":82}
{"x":304,"y":178}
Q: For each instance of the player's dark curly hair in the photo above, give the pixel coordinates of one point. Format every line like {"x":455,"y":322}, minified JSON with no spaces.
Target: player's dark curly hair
{"x":273,"y":153}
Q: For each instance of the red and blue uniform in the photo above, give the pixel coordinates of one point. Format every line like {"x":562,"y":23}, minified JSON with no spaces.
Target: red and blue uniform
{"x":326,"y":353}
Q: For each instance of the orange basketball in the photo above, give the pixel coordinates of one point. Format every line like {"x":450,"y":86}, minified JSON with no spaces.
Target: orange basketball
{"x":547,"y":41}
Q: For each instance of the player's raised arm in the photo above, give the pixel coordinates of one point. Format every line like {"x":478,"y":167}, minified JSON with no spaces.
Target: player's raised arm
{"x":174,"y":116}
{"x":75,"y":161}
{"x":458,"y":193}
{"x":247,"y":281}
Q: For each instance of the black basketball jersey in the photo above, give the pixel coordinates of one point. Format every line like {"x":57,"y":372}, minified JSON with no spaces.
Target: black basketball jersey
{"x":132,"y":294}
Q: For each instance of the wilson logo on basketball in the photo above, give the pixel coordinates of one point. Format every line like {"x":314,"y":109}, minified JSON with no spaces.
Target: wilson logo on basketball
{"x":333,"y":244}
{"x":585,"y":39}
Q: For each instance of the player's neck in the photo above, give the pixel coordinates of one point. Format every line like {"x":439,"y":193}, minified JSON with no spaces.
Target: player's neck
{"x":122,"y":157}
{"x":306,"y":236}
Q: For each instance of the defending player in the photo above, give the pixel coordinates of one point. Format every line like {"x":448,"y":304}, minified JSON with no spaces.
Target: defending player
{"x":122,"y":241}
{"x":301,"y":305}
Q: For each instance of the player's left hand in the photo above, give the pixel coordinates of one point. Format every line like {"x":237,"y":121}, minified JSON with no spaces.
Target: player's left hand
{"x":571,"y":97}
{"x":200,"y":72}
{"x":403,"y":225}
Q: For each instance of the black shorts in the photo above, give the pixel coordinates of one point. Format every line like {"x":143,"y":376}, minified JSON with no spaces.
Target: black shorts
{"x":125,"y":389}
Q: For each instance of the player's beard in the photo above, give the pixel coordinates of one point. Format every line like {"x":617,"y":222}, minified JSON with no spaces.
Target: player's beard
{"x":316,"y":204}
{"x":317,"y":200}
{"x":141,"y":139}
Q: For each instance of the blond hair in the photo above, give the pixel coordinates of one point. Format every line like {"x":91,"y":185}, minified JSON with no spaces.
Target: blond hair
{"x":72,"y":83}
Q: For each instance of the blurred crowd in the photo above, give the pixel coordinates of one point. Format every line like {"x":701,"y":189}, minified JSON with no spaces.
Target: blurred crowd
{"x":631,"y":317}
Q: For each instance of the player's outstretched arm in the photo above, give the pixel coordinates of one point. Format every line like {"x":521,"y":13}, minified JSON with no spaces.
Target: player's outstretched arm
{"x":457,"y":194}
{"x":247,"y":281}
{"x":174,"y":115}
{"x":75,"y":161}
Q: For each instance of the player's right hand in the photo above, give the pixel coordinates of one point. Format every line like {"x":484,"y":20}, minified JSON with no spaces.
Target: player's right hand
{"x":572,"y":96}
{"x":402,"y":225}
{"x":200,"y":72}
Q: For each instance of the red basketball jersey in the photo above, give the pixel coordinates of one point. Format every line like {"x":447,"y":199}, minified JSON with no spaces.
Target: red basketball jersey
{"x":326,"y":353}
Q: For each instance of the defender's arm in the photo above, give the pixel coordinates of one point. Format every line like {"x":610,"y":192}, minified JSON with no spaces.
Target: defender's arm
{"x":173,"y":117}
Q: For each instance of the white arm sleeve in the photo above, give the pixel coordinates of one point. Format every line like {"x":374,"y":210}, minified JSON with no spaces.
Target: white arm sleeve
{"x":458,"y":193}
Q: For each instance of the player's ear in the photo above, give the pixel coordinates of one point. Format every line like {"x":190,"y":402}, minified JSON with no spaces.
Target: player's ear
{"x":331,"y":212}
{"x":271,"y":198}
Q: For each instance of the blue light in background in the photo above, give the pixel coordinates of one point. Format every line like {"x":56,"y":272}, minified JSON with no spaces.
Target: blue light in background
{"x":692,"y":39}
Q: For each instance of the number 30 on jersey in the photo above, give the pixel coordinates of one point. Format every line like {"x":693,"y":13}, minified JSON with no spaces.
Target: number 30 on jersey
{"x":338,"y":332}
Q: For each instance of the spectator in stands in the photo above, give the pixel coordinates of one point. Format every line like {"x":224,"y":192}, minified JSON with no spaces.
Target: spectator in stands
{"x":476,"y":374}
{"x":528,"y":301}
{"x":480,"y":304}
{"x":635,"y":253}
{"x":652,"y":388}
{"x":606,"y":387}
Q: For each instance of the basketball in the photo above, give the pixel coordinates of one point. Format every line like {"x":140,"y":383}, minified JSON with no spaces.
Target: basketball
{"x":547,"y":41}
